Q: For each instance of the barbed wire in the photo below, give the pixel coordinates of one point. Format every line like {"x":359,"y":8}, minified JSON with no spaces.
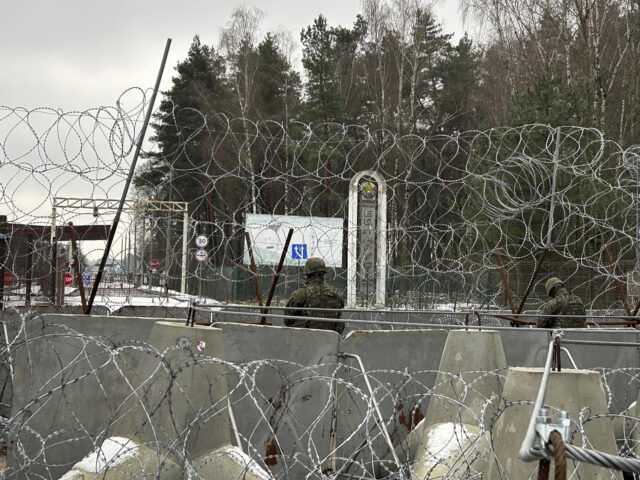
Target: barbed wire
{"x":454,"y":201}
{"x":146,"y":410}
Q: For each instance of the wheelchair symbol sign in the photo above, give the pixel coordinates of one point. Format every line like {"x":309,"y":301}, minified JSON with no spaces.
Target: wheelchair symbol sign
{"x":299,"y":251}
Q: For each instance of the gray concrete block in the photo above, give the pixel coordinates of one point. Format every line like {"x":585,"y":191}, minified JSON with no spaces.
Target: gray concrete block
{"x":282,"y":393}
{"x":469,"y":380}
{"x":569,"y":390}
{"x":401,"y":366}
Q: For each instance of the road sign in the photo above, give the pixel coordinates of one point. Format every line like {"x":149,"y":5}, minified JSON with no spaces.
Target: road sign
{"x":86,"y":278}
{"x":154,"y":264}
{"x":202,"y":241}
{"x":299,"y":251}
{"x":68,"y":279}
{"x":8,"y":279}
{"x":201,"y":255}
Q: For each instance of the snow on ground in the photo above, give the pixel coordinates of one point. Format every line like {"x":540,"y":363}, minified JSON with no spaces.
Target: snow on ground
{"x":443,"y":440}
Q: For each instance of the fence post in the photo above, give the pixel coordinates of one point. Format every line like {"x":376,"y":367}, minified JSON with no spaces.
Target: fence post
{"x":3,"y":256}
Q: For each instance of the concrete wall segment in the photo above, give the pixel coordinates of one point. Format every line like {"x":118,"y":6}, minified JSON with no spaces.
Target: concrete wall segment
{"x":401,"y":365}
{"x":283,"y":397}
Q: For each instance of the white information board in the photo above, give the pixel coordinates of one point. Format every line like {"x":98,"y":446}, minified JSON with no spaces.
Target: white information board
{"x":312,"y":237}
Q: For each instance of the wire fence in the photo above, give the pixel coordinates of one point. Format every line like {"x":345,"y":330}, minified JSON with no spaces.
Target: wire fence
{"x":175,"y":411}
{"x":460,"y":208}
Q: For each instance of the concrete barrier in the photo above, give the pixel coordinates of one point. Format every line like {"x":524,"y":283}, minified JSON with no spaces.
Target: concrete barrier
{"x":285,"y":404}
{"x":399,"y":364}
{"x":466,"y":391}
{"x":470,"y":372}
{"x":569,"y":390}
{"x":527,"y":347}
{"x":451,"y":450}
{"x":180,"y":399}
{"x":67,"y":386}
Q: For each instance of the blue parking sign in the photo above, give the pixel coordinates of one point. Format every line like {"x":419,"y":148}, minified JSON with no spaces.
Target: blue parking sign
{"x":86,"y":278}
{"x":299,"y":251}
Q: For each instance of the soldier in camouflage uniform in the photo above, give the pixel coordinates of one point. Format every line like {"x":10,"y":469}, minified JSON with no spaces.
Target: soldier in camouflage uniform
{"x":562,"y":302}
{"x":316,"y":294}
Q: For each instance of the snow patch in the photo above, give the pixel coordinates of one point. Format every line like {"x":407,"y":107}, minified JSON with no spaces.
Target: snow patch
{"x":113,"y":452}
{"x":443,"y":440}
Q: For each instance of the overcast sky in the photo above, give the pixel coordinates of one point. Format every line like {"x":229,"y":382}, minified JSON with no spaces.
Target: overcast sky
{"x":79,"y":54}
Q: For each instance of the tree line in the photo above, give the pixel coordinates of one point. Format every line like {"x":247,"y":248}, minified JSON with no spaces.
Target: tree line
{"x":223,"y":130}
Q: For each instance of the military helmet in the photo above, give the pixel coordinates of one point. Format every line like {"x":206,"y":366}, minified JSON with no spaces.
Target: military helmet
{"x":552,"y":282}
{"x":314,"y":265}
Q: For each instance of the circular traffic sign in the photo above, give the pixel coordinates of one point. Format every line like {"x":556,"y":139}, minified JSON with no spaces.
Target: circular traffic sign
{"x":68,"y":279}
{"x":155,"y":263}
{"x":201,"y":255}
{"x":8,"y":279}
{"x":202,"y":241}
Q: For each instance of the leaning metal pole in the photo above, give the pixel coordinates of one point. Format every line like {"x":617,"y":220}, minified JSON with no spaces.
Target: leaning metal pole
{"x":125,"y":191}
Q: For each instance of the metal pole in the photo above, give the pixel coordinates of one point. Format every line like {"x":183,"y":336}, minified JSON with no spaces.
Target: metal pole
{"x":76,"y":265}
{"x":135,"y":251}
{"x":505,"y":279}
{"x":168,"y":242}
{"x":29,"y":280}
{"x":556,"y":158}
{"x":125,"y":191}
{"x":254,"y":269}
{"x":533,"y":278}
{"x":151,"y":225}
{"x":276,"y":275}
{"x":623,"y":296}
{"x":52,"y":288}
{"x":185,"y":231}
{"x":3,"y":257}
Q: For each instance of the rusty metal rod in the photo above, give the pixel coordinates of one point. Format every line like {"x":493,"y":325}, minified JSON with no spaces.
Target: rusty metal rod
{"x":514,"y":320}
{"x":618,"y":283}
{"x":76,"y":265}
{"x":132,"y":169}
{"x":276,"y":275}
{"x":254,"y":269}
{"x":531,"y":282}
{"x":635,"y":310}
{"x":505,"y":279}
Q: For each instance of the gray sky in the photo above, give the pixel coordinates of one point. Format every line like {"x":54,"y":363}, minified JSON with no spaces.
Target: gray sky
{"x":76,"y":55}
{"x":79,"y":54}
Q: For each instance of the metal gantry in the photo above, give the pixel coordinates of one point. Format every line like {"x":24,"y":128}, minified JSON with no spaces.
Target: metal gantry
{"x":136,"y":206}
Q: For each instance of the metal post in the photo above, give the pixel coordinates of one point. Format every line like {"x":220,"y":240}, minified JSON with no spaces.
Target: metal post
{"x":531,"y":282}
{"x":29,"y":280}
{"x":3,"y":256}
{"x":505,"y":279}
{"x":254,"y":269}
{"x":76,"y":265}
{"x":151,"y":225}
{"x":185,"y":231}
{"x":132,"y":169}
{"x":54,"y":247}
{"x":556,"y":159}
{"x":623,"y":296}
{"x":276,"y":275}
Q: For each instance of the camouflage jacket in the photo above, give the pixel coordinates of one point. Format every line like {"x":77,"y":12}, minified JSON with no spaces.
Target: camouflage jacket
{"x":564,"y":303}
{"x":316,"y":294}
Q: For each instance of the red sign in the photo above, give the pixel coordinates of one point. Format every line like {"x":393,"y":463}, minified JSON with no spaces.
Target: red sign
{"x":68,"y":279}
{"x":8,"y":279}
{"x":154,"y":264}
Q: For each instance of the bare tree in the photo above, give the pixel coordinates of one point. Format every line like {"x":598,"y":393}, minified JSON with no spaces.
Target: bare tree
{"x":238,"y":43}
